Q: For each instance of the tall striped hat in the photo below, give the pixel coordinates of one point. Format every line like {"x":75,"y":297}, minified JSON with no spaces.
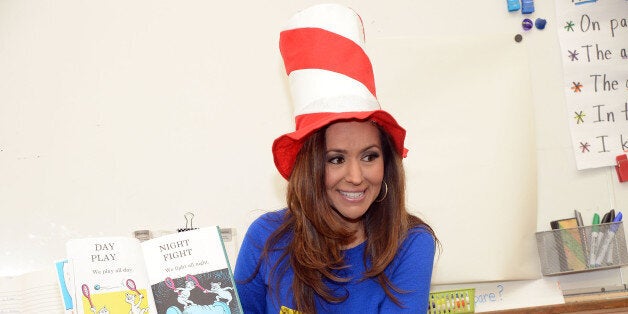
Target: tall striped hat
{"x":330,"y":77}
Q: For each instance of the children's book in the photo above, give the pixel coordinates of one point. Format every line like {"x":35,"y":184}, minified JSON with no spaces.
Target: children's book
{"x":186,"y":272}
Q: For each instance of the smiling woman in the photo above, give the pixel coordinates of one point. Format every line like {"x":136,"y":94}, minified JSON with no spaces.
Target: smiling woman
{"x":346,"y":242}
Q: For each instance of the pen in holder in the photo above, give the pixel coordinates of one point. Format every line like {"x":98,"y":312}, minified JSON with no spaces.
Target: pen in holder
{"x":580,"y":249}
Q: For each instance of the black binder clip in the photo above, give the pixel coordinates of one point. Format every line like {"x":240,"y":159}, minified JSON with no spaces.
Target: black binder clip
{"x":188,"y":222}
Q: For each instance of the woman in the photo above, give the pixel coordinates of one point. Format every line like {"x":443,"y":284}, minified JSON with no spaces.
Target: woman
{"x":345,"y":243}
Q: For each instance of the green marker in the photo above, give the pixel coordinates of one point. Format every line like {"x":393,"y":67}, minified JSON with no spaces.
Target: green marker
{"x":595,"y":239}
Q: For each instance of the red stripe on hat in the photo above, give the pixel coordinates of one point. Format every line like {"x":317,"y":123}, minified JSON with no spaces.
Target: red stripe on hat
{"x":316,"y":48}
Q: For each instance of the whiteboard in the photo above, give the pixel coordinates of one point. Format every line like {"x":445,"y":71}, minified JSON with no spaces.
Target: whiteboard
{"x":471,"y":168}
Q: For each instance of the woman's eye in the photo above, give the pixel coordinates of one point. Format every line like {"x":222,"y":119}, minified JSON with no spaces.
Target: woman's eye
{"x":335,"y":160}
{"x":370,"y":156}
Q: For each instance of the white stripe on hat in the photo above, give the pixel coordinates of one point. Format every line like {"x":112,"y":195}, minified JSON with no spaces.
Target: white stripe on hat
{"x":334,"y":18}
{"x":316,"y":90}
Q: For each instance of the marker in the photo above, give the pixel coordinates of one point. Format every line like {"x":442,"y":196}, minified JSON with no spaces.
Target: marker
{"x":600,"y":237}
{"x":595,"y":234}
{"x":609,"y":257}
{"x":605,"y":218}
{"x":610,"y":235}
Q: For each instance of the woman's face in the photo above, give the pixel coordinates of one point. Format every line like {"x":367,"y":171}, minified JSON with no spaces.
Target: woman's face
{"x":354,"y":167}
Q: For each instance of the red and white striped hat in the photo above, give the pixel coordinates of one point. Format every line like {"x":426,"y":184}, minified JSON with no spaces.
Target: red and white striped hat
{"x":330,"y":77}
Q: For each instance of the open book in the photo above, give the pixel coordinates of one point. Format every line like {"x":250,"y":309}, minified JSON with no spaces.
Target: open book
{"x":185,"y":272}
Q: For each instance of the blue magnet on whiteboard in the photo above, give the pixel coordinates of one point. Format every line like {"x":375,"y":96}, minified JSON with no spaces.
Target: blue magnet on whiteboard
{"x":527,"y":6}
{"x":527,"y":24}
{"x":540,"y":23}
{"x":513,"y":5}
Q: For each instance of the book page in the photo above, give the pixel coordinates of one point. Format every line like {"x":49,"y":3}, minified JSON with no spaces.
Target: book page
{"x":189,"y":272}
{"x":109,"y":276}
{"x":33,"y":292}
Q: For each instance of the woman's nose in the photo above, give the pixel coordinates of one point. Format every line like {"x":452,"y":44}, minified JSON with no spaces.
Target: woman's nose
{"x":354,"y":173}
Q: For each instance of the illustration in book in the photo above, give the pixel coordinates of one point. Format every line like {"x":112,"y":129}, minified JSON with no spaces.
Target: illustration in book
{"x":202,"y":293}
{"x":104,"y":303}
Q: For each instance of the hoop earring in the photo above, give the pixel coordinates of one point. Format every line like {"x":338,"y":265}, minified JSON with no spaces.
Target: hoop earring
{"x":385,"y":193}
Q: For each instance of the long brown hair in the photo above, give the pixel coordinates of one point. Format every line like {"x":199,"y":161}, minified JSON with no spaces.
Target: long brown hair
{"x":317,"y":235}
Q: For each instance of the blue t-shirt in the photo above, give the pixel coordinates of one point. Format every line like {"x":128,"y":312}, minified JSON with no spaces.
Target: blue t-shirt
{"x":410,"y":271}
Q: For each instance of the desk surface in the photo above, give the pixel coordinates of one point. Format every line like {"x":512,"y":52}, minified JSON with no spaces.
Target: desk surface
{"x":617,"y":305}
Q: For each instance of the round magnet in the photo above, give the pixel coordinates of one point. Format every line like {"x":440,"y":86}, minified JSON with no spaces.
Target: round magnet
{"x":518,"y":38}
{"x":527,"y":24}
{"x":540,"y":23}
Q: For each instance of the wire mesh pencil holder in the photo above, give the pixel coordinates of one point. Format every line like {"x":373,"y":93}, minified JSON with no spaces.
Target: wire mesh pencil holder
{"x":587,"y":248}
{"x":452,"y":301}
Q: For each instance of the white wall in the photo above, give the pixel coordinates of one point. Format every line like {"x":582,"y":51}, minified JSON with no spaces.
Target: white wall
{"x":124,"y":115}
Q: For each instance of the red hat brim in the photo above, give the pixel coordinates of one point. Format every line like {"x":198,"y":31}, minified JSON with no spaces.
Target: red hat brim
{"x":287,"y":146}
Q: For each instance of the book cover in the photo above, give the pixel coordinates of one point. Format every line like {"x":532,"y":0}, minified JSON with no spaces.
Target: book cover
{"x":186,"y":272}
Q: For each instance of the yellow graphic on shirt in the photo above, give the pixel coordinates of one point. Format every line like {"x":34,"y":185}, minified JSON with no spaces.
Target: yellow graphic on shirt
{"x":285,"y":310}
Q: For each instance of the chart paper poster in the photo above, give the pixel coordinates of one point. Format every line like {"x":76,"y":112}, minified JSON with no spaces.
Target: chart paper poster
{"x":594,"y":50}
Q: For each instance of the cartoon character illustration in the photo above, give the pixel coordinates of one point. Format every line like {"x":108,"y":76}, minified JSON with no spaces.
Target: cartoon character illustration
{"x":130,"y":298}
{"x":221,"y":293}
{"x":184,"y":293}
{"x":135,"y":307}
{"x":189,"y":307}
{"x":87,"y":294}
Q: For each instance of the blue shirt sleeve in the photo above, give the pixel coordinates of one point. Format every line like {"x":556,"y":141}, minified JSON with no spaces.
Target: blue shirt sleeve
{"x":411,"y":272}
{"x":252,"y":291}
